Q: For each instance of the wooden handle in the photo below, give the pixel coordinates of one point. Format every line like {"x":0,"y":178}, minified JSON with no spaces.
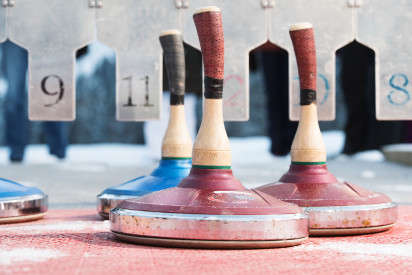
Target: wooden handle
{"x":303,"y":41}
{"x":212,"y":148}
{"x":208,"y":21}
{"x":307,"y":147}
{"x":177,"y":143}
{"x":174,"y":55}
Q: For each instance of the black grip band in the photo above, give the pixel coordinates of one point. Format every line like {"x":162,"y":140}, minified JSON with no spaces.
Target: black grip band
{"x":307,"y":97}
{"x":174,"y":56}
{"x":177,"y":99}
{"x":213,"y":88}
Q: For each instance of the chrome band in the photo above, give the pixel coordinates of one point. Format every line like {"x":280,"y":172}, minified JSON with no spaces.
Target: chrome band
{"x":106,"y":202}
{"x":209,"y":227}
{"x":23,"y":206}
{"x":351,"y":207}
{"x":349,"y":231}
{"x":354,"y":216}
{"x":26,"y":218}
{"x":207,"y":244}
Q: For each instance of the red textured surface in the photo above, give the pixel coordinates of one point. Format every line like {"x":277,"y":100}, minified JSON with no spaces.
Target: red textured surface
{"x":305,"y":51}
{"x":314,"y":185}
{"x":210,"y":31}
{"x":82,"y":244}
{"x":210,"y":191}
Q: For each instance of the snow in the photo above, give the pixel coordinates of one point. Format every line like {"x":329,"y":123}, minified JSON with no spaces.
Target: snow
{"x":24,"y":254}
{"x":8,"y":257}
{"x":73,"y":226}
{"x":366,"y":251}
{"x":3,"y":87}
{"x":398,"y":148}
{"x":398,"y":187}
{"x":372,"y":155}
{"x":368,"y":174}
{"x":95,"y":157}
{"x":245,"y":150}
{"x":334,"y":142}
{"x":369,"y":156}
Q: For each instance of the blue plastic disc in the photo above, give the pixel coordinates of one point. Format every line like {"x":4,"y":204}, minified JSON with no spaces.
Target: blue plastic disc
{"x":169,"y":173}
{"x":20,"y":203}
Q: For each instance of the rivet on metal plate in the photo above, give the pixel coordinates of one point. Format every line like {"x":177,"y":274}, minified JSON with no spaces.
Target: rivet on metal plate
{"x":186,"y":4}
{"x":267,"y":4}
{"x":99,"y":3}
{"x":354,"y":3}
{"x":92,"y":3}
{"x":264,"y":3}
{"x":178,"y":4}
{"x":4,"y":3}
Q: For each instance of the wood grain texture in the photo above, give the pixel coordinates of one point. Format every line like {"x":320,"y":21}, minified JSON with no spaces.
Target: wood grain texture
{"x":308,"y":145}
{"x":177,"y":142}
{"x":212,"y":146}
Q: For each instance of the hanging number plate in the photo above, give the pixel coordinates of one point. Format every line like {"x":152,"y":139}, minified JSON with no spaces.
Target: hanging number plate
{"x":245,"y":28}
{"x":332,"y":23}
{"x":51,"y":31}
{"x":132,"y":29}
{"x":385,"y":26}
{"x":3,"y":23}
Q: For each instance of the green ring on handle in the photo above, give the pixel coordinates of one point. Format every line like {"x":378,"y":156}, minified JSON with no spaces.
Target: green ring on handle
{"x":309,"y":163}
{"x":211,"y":167}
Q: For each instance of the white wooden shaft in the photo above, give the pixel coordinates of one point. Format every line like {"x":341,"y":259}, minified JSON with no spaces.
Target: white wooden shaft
{"x":308,"y":145}
{"x":176,"y":141}
{"x":212,"y":146}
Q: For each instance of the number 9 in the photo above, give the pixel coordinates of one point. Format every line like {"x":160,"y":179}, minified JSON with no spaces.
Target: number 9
{"x":60,"y":92}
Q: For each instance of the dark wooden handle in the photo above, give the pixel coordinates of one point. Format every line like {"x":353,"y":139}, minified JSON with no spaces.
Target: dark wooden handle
{"x":209,"y":28}
{"x":303,"y":41}
{"x":174,"y":55}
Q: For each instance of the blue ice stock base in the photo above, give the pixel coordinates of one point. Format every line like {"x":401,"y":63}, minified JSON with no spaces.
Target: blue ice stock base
{"x":169,"y":173}
{"x":19,"y":203}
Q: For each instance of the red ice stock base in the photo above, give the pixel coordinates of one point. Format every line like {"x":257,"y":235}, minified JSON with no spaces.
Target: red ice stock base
{"x":335,"y":208}
{"x":210,"y":208}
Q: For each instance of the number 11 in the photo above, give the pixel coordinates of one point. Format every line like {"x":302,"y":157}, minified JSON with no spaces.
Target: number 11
{"x":129,"y":97}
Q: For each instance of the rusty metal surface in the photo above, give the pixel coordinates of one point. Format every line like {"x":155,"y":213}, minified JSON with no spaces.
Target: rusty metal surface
{"x":359,"y":217}
{"x":209,"y":227}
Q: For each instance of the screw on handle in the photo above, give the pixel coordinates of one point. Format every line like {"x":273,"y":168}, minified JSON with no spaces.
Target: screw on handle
{"x":208,"y":21}
{"x":303,"y":41}
{"x":174,"y":55}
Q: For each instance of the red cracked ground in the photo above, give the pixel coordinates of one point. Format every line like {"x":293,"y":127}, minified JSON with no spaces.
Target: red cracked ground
{"x":79,"y":242}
